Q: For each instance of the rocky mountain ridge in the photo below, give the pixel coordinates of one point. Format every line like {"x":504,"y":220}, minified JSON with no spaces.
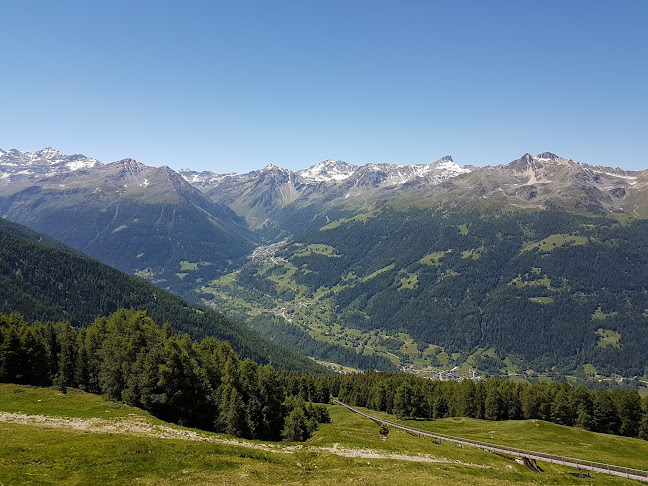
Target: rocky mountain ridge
{"x":267,"y":198}
{"x":549,"y":180}
{"x":140,"y":219}
{"x":16,"y":165}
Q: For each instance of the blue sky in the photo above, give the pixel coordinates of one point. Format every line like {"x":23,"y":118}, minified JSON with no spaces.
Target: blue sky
{"x":234,"y":86}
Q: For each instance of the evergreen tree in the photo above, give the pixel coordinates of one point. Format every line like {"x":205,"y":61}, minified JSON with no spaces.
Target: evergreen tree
{"x":53,"y":348}
{"x":630,"y":413}
{"x":271,"y":396}
{"x":379,"y":399}
{"x":582,"y":401}
{"x":82,"y":376}
{"x":233,"y":418}
{"x":66,"y":338}
{"x":605,"y":417}
{"x":494,"y":406}
{"x":403,"y":400}
{"x":297,"y":427}
{"x":440,"y":407}
{"x":36,"y":366}
{"x":643,"y":426}
{"x":562,"y":411}
{"x":11,"y":357}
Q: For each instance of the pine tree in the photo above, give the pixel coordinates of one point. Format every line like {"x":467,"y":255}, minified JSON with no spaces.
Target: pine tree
{"x":494,"y":405}
{"x":562,"y":411}
{"x":11,"y":357}
{"x":440,"y":408}
{"x":233,"y":418}
{"x":605,"y":417}
{"x":629,"y":406}
{"x":581,"y":398}
{"x":643,"y":426}
{"x":402,"y":400}
{"x":35,"y":357}
{"x":466,"y":399}
{"x":296,"y":428}
{"x":81,"y":368}
{"x":271,"y":395}
{"x":379,"y":400}
{"x":67,"y":357}
{"x":94,"y":336}
{"x":53,"y":349}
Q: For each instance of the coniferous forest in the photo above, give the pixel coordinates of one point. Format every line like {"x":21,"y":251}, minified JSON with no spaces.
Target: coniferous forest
{"x":617,"y":412}
{"x":127,"y":357}
{"x":539,"y":286}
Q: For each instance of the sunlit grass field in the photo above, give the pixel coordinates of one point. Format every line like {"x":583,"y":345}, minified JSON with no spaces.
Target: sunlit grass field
{"x":540,"y":436}
{"x":349,"y":450}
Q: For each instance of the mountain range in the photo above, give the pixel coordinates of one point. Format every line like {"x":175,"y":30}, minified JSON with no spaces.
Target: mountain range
{"x":271,"y":195}
{"x":269,"y":198}
{"x":536,"y":265}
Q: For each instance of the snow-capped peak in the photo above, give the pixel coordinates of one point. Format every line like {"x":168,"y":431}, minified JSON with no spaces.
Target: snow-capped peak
{"x":328,"y":171}
{"x":49,"y":153}
{"x":44,"y":163}
{"x":272,"y":167}
{"x":334,"y":171}
{"x":448,"y":167}
{"x":549,"y":157}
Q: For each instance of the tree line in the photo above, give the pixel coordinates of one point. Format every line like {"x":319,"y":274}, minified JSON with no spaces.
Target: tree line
{"x":617,"y":412}
{"x":127,"y":357}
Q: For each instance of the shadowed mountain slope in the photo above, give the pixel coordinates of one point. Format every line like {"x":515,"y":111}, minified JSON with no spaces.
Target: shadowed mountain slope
{"x":45,"y":283}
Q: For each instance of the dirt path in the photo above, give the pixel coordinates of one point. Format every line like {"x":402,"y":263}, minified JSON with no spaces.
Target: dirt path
{"x":141,"y":427}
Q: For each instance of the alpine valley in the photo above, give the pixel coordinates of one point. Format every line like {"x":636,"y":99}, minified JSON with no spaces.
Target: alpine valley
{"x":534,"y":267}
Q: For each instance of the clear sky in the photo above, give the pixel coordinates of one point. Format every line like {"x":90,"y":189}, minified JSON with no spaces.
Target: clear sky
{"x":234,"y":86}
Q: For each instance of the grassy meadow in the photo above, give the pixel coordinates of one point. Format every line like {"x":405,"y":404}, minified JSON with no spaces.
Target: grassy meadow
{"x":66,"y":439}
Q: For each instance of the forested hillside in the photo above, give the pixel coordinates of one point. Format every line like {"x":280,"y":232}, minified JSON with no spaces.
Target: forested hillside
{"x":551,"y":290}
{"x":127,"y":357}
{"x":48,"y":283}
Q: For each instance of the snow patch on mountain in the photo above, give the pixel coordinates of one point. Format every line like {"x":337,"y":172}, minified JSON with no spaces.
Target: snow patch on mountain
{"x":44,"y":163}
{"x":205,"y":178}
{"x":327,"y":171}
{"x":450,"y":168}
{"x":81,"y":164}
{"x":332,"y":172}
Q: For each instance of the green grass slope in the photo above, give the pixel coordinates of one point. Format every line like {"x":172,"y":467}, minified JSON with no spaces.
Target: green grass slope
{"x":540,"y":436}
{"x":50,"y":283}
{"x":77,"y":438}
